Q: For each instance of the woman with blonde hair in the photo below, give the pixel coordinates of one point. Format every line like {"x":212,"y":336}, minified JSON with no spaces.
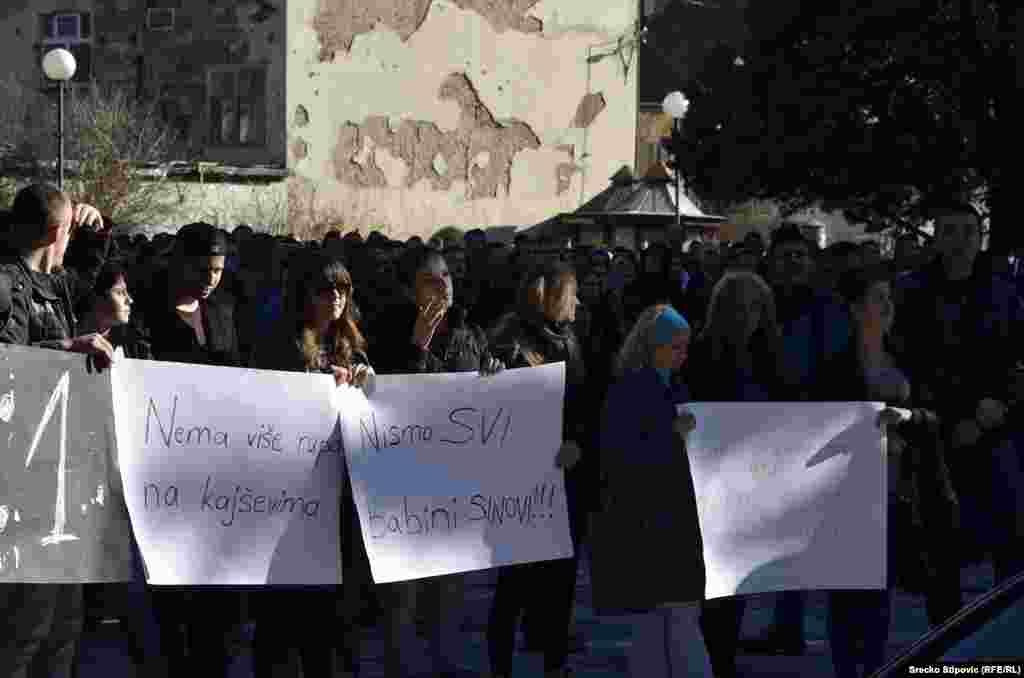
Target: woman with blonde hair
{"x":319,"y":334}
{"x":735,"y":358}
{"x":646,"y":473}
{"x":540,"y":332}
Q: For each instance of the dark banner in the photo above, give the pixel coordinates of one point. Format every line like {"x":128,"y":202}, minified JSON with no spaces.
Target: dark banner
{"x":62,"y":513}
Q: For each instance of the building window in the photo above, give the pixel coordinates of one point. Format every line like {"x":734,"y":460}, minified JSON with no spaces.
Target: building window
{"x":73,"y":32}
{"x":160,"y":18}
{"x":225,"y":16}
{"x":238,"y":106}
{"x":652,"y":127}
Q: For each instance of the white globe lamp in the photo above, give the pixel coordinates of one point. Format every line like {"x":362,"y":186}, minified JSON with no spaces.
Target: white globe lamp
{"x":59,"y":65}
{"x":676,"y":104}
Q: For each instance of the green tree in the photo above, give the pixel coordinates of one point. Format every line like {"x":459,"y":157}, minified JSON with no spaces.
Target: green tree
{"x":449,"y":233}
{"x":110,"y":138}
{"x":871,"y":106}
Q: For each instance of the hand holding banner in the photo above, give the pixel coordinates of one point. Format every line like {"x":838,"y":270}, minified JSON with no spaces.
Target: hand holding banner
{"x":791,"y":496}
{"x":62,"y":519}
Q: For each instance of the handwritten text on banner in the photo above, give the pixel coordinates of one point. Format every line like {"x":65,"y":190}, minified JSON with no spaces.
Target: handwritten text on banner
{"x":231,"y":475}
{"x":455,"y":472}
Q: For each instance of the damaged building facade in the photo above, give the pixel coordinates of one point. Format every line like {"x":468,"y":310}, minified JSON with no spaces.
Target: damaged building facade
{"x":215,"y":68}
{"x":405,"y":115}
{"x":411,"y":115}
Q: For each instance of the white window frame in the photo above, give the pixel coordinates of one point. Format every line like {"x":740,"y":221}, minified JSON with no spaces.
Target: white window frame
{"x":164,"y":28}
{"x":58,"y":40}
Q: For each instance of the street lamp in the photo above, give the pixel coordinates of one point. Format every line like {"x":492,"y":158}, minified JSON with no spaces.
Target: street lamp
{"x":59,"y":64}
{"x":676,"y":104}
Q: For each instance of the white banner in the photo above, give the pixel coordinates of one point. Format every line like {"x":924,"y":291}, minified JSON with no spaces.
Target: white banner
{"x":790,"y":496}
{"x":62,"y":517}
{"x":231,"y":476}
{"x":455,"y":472}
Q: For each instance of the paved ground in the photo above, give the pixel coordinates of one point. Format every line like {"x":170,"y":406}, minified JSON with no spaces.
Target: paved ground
{"x":607,"y":640}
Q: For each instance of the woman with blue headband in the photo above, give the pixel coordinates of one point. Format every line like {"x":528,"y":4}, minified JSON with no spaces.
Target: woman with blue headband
{"x":647,"y":552}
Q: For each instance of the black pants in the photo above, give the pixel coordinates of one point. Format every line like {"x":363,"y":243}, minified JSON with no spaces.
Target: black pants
{"x":304,"y":620}
{"x":546,"y":591}
{"x":40,"y":626}
{"x":195,"y":624}
{"x":720,"y":622}
{"x":942,"y":597}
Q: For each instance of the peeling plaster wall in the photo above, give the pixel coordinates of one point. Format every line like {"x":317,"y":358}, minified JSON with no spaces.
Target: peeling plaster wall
{"x":417,"y":114}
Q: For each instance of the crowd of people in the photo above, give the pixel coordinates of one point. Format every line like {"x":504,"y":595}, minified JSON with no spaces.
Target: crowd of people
{"x":934,"y":332}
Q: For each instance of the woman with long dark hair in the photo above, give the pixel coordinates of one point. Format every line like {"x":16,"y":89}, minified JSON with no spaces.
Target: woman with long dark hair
{"x":427,"y":333}
{"x":922,"y":504}
{"x":318,"y":334}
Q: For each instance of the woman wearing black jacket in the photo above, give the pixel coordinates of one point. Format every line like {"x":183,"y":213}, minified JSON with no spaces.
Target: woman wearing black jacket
{"x":317,"y":334}
{"x":107,"y":310}
{"x":922,"y":505}
{"x":425,"y":333}
{"x":735,"y":358}
{"x":538,"y":333}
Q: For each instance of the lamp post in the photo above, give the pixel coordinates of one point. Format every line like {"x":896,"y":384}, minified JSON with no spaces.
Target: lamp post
{"x":59,"y":64}
{"x":676,"y":104}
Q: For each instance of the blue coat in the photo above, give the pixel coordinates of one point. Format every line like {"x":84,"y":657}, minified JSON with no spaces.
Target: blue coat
{"x":646,"y":546}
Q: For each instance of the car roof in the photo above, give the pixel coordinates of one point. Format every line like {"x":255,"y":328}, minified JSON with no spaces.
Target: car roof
{"x":970,"y":617}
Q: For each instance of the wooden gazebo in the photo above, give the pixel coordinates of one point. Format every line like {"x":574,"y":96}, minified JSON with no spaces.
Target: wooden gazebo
{"x":631,"y":211}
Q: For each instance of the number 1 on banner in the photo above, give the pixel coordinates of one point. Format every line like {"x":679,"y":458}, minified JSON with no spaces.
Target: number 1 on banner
{"x":60,"y":392}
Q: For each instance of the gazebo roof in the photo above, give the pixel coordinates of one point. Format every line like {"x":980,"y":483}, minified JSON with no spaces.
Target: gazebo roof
{"x":651,"y":198}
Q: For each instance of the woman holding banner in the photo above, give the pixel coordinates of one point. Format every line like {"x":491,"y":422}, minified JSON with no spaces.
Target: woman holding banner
{"x":648,"y":493}
{"x":538,"y":333}
{"x":922,"y":505}
{"x":427,"y":333}
{"x":319,"y":335}
{"x":106,"y":309}
{"x":735,"y":358}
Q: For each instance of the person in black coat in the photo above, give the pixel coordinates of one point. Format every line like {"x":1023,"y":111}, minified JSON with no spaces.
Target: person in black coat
{"x":41,"y":623}
{"x":107,"y":309}
{"x":648,"y":493}
{"x":424,"y":332}
{"x":735,"y":358}
{"x":191,"y":319}
{"x":538,"y":333}
{"x":920,"y":488}
{"x":317,"y":334}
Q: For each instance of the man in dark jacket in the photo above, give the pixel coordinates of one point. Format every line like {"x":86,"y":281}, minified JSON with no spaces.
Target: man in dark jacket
{"x":191,"y":320}
{"x":41,"y":623}
{"x":959,"y":329}
{"x":815,"y":330}
{"x":189,"y":317}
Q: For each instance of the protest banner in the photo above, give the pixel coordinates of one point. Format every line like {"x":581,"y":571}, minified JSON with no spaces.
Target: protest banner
{"x":62,"y":517}
{"x":791,"y":496}
{"x":455,"y":472}
{"x":231,"y":475}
